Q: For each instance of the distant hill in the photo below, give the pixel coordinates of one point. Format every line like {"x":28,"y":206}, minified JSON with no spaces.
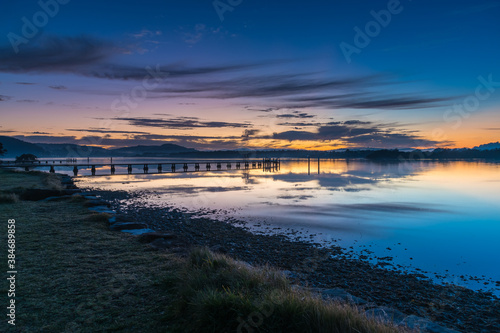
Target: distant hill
{"x":151,"y":151}
{"x":492,"y":145}
{"x":16,"y":147}
{"x":72,"y":150}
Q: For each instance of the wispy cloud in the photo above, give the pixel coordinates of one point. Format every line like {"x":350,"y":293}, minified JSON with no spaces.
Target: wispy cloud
{"x":181,"y":123}
{"x":103,"y":130}
{"x":146,"y":33}
{"x":91,"y":57}
{"x":195,"y":35}
{"x":27,"y":101}
{"x":296,"y":114}
{"x":54,"y":55}
{"x":58,"y":87}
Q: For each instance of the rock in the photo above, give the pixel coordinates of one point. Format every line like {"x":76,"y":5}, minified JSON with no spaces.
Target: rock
{"x":94,"y":203}
{"x":415,"y":322}
{"x":64,"y":197}
{"x":341,"y":295}
{"x":138,"y":232}
{"x":435,"y":328}
{"x":128,"y":226}
{"x":161,"y":244}
{"x":288,"y":274}
{"x":386,"y":314}
{"x":89,"y":197}
{"x":152,"y":236}
{"x":72,"y":191}
{"x":123,"y":218}
{"x":33,"y":194}
{"x":218,"y":248}
{"x":102,"y":209}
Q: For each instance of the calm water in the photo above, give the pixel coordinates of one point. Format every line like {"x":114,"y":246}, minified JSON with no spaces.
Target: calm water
{"x":438,"y":217}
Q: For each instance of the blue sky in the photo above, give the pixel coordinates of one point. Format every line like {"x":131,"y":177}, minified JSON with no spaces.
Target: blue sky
{"x":268,"y":75}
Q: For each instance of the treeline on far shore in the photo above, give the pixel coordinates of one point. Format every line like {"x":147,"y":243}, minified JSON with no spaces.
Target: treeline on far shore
{"x":439,"y":153}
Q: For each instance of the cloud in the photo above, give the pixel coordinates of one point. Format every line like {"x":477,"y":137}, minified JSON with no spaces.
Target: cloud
{"x":296,"y":114}
{"x":298,"y":124}
{"x":27,"y":101}
{"x":93,"y":58}
{"x":196,"y":35}
{"x":248,"y":133}
{"x":103,"y":130}
{"x":52,"y":54}
{"x":146,"y":33}
{"x":295,"y":91}
{"x":357,"y":134}
{"x":25,"y":83}
{"x":4,"y":98}
{"x":58,"y":87}
{"x":180,"y":123}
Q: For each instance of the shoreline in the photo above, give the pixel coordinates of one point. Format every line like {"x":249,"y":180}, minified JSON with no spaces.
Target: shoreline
{"x":312,"y":267}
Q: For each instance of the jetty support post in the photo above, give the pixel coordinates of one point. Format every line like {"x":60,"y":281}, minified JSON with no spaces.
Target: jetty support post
{"x":75,"y":170}
{"x":93,"y":170}
{"x":160,"y":168}
{"x":129,"y":169}
{"x":113,"y":169}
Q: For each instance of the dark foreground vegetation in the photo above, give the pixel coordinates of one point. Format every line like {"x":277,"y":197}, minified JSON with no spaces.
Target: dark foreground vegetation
{"x":74,"y":275}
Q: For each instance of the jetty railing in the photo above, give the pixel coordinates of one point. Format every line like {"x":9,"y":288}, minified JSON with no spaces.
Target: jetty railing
{"x":267,"y":164}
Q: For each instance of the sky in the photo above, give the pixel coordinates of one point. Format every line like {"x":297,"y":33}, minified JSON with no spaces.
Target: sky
{"x":233,"y":74}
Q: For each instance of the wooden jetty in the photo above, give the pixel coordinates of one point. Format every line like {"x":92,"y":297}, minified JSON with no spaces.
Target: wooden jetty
{"x":161,"y":167}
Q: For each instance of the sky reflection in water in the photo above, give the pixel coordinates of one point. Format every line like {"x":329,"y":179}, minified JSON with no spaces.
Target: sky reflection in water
{"x":441,"y":217}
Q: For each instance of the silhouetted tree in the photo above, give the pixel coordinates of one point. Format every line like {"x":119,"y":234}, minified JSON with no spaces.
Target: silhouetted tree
{"x":26,"y":158}
{"x":2,"y":151}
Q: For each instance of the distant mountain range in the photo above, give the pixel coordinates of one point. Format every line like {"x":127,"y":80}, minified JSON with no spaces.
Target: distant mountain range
{"x":16,"y":147}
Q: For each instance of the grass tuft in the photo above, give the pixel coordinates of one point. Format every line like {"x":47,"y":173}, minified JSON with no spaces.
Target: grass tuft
{"x":6,"y":198}
{"x":219,"y":294}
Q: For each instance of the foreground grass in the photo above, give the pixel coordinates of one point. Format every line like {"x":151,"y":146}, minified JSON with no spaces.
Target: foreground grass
{"x":74,"y":275}
{"x":218,"y":294}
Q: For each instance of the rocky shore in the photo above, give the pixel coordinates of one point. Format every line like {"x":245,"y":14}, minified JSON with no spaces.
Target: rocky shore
{"x":405,"y":298}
